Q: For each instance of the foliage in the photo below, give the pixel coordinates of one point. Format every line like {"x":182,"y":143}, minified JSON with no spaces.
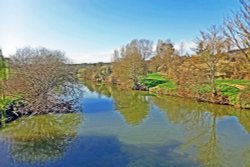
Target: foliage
{"x":3,"y":75}
{"x":98,"y":73}
{"x":129,"y":64}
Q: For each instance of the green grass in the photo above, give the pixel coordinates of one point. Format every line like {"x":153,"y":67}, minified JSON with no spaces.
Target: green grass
{"x":230,"y":88}
{"x":234,"y":82}
{"x":158,"y":80}
{"x":150,"y":83}
{"x":226,"y":88}
{"x":230,"y":91}
{"x":153,"y":79}
{"x":155,"y":76}
{"x":4,"y":103}
{"x":168,"y":85}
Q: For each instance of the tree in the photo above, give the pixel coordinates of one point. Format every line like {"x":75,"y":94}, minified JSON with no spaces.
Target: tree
{"x":238,"y":29}
{"x":210,"y":46}
{"x":144,"y":46}
{"x":154,"y":64}
{"x":182,"y":49}
{"x":3,"y":74}
{"x":170,"y":60}
{"x":130,"y":66}
{"x":40,"y":77}
{"x":165,"y":51}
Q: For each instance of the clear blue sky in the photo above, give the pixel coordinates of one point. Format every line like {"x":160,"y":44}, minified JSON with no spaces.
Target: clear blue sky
{"x":89,"y":30}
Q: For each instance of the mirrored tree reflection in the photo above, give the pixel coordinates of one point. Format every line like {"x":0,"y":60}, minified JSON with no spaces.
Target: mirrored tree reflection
{"x":133,"y":106}
{"x":201,"y":123}
{"x":42,"y":138}
{"x":100,"y":88}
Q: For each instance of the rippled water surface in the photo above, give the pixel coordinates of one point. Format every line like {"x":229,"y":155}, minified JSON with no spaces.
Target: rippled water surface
{"x":130,"y":129}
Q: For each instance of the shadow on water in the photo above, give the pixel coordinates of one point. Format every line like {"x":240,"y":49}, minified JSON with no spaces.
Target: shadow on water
{"x":35,"y":140}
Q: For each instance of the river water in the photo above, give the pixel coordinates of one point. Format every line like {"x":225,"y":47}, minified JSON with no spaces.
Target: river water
{"x":130,"y":129}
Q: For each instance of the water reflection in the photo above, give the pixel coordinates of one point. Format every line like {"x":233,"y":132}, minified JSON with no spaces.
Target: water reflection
{"x":101,"y":89}
{"x":108,"y":151}
{"x":165,"y":131}
{"x":201,"y":122}
{"x":133,"y":106}
{"x":213,"y":135}
{"x":41,"y":138}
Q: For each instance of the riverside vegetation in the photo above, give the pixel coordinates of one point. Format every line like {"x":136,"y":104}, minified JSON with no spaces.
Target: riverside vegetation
{"x":217,"y":72}
{"x":36,"y":81}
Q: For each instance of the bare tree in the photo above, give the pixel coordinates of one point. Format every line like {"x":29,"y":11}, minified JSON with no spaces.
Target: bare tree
{"x":170,"y":61}
{"x":181,"y":49}
{"x":210,"y":46}
{"x":238,"y":29}
{"x":144,"y":46}
{"x":40,"y":77}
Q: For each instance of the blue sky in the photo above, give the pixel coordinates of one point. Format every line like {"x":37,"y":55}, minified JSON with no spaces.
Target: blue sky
{"x":89,"y":30}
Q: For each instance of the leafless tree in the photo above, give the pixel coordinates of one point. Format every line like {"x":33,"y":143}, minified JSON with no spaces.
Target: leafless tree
{"x":144,"y":46}
{"x":210,"y":46}
{"x":41,"y":77}
{"x":238,"y":29}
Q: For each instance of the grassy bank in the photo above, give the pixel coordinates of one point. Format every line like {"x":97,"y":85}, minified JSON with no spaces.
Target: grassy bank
{"x":232,"y":92}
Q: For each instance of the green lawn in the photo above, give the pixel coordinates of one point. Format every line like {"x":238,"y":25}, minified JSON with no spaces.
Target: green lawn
{"x":230,"y":88}
{"x":233,"y":89}
{"x":158,"y":80}
{"x":234,"y":82}
{"x":155,"y":76}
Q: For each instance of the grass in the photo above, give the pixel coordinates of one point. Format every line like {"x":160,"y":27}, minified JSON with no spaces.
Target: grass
{"x":168,"y":85}
{"x":4,"y":103}
{"x":155,"y":76}
{"x":230,"y":91}
{"x":234,"y":82}
{"x":229,"y":88}
{"x":158,"y":80}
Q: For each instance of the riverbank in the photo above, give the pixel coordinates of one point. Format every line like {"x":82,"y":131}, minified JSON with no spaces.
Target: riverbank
{"x":13,"y":109}
{"x":229,"y":92}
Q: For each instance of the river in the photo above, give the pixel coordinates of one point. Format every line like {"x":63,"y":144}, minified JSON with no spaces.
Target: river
{"x":117,"y":128}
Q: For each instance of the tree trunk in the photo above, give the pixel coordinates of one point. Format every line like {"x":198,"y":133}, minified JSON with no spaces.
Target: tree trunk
{"x":213,"y":86}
